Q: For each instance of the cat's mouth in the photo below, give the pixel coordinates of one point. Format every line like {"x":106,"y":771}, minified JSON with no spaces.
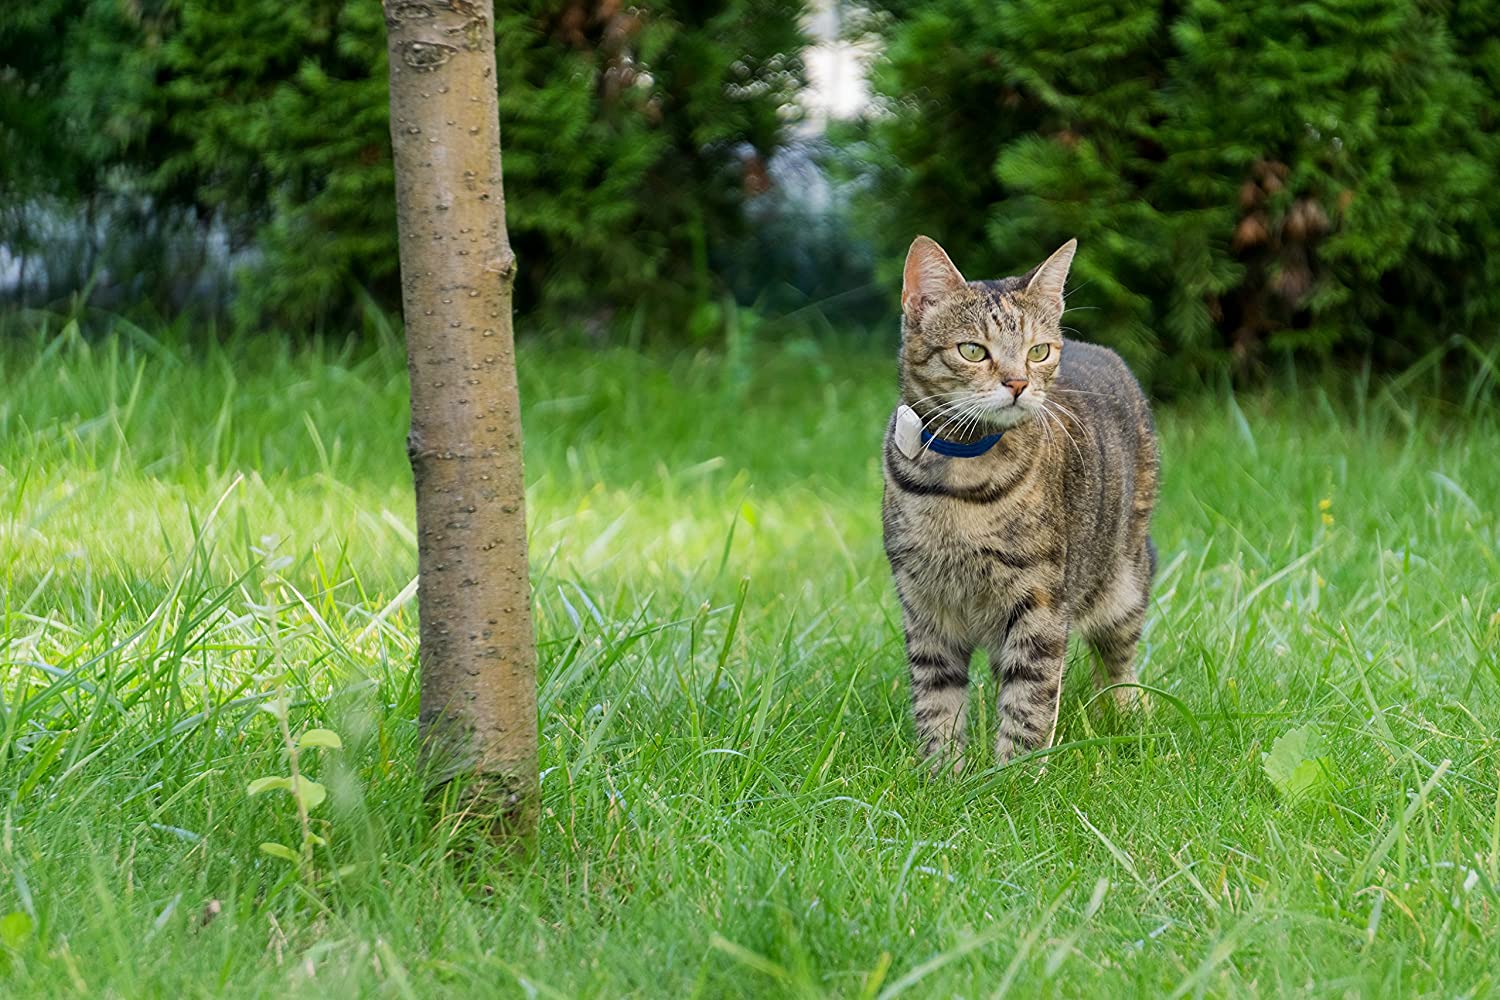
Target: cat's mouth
{"x":1004,"y":410}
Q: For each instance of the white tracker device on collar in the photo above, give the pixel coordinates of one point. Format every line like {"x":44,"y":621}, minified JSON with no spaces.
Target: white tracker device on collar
{"x":908,"y":431}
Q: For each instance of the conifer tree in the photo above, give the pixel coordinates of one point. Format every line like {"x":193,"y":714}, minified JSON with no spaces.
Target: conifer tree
{"x":1243,"y":177}
{"x":1331,"y":153}
{"x":632,"y":127}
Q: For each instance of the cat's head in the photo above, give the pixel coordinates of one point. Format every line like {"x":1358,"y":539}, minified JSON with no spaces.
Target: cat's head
{"x":983,"y":352}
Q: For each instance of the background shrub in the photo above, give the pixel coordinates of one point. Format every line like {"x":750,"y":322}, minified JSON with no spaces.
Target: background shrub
{"x":1243,"y":177}
{"x":632,"y":135}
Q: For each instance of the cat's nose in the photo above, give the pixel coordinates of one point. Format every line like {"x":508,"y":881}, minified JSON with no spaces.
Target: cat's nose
{"x":1016,"y":386}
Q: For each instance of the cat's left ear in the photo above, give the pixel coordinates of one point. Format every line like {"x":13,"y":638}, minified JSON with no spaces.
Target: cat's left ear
{"x":1046,"y":284}
{"x":928,"y":276}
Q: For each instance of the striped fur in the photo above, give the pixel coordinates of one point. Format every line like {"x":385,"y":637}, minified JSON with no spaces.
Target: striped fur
{"x":1045,"y":533}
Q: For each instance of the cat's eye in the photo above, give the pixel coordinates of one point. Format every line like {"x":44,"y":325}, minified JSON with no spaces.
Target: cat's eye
{"x":971,"y":351}
{"x":1038,"y":352}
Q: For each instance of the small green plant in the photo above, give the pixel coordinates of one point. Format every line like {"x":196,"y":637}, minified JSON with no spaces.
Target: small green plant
{"x":16,"y":929}
{"x":1296,"y":765}
{"x":306,"y":793}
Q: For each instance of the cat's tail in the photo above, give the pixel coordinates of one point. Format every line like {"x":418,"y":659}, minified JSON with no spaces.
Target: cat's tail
{"x":1150,"y":558}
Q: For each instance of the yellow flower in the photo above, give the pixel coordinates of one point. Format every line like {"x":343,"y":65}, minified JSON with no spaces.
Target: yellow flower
{"x":1327,"y":519}
{"x":1325,"y":504}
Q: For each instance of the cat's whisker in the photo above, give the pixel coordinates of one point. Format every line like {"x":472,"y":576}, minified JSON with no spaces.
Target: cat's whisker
{"x":1074,"y":289}
{"x":1063,"y":428}
{"x":1047,"y":429}
{"x":1066,"y":433}
{"x":973,"y":422}
{"x":970,"y":420}
{"x":1046,"y":405}
{"x":937,"y":395}
{"x":978,"y":417}
{"x":946,"y":407}
{"x":941,"y":430}
{"x":1061,"y":408}
{"x":938,"y":434}
{"x":1046,"y":423}
{"x":963,"y":395}
{"x":963,"y":410}
{"x":1069,"y":413}
{"x":943,"y":417}
{"x":948,"y":392}
{"x":950,"y":407}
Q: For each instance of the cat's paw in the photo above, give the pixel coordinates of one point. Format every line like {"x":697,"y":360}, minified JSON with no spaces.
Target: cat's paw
{"x":1007,"y":750}
{"x":944,"y":758}
{"x":1130,"y":700}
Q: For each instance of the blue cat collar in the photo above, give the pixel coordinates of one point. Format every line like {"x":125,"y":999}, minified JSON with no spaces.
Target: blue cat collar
{"x":953,"y":449}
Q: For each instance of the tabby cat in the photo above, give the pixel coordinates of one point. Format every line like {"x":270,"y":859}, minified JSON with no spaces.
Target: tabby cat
{"x":1020,"y":474}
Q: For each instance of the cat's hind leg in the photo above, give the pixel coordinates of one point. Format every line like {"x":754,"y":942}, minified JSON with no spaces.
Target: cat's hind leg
{"x":1114,"y":628}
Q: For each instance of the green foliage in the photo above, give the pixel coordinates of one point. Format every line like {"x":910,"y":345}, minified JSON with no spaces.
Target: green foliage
{"x":309,"y":794}
{"x":1296,"y":763}
{"x":16,"y":929}
{"x":305,"y":793}
{"x":1243,"y":177}
{"x":625,"y":132}
{"x":325,"y":738}
{"x":34,"y":152}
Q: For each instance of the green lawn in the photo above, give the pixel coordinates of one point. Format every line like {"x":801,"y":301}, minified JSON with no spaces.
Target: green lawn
{"x":731,"y":800}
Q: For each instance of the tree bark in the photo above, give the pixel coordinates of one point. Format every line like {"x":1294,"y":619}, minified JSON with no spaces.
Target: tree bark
{"x":478,"y":655}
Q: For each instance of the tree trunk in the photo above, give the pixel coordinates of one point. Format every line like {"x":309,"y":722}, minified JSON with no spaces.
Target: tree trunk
{"x":478,"y":656}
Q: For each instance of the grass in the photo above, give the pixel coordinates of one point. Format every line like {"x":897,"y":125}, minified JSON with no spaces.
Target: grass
{"x":732,"y":806}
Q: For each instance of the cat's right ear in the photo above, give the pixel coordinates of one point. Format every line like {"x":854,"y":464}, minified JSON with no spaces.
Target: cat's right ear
{"x":929,"y":275}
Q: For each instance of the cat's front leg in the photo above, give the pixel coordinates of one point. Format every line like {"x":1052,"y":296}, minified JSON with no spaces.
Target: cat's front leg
{"x":939,"y":666}
{"x":1027,"y":659}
